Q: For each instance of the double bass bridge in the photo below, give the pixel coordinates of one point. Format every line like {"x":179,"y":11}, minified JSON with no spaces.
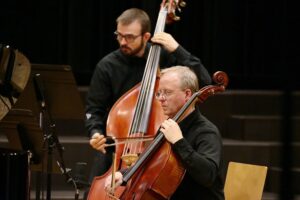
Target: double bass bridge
{"x":129,"y":159}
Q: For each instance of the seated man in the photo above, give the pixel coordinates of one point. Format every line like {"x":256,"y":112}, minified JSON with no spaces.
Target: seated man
{"x":195,"y":139}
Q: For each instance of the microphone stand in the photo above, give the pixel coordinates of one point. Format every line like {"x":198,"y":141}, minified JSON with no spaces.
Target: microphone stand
{"x":53,"y":142}
{"x":47,"y":126}
{"x":51,"y":139}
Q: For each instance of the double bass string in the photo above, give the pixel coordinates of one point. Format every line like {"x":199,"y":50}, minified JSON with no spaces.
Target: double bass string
{"x":143,"y":108}
{"x":140,"y":108}
{"x":148,"y":80}
{"x":151,"y":69}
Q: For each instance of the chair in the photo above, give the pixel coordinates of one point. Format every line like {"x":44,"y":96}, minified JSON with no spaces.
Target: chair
{"x":244,"y":181}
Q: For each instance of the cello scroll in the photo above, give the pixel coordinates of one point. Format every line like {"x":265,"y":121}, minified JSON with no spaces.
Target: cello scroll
{"x":221,"y":80}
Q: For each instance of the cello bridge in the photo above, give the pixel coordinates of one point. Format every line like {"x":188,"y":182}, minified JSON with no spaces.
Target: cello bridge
{"x":129,"y":159}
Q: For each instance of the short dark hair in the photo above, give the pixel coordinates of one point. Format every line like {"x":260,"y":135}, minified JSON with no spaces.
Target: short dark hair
{"x":132,"y":14}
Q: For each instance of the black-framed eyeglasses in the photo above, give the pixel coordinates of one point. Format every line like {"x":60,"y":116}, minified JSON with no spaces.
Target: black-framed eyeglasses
{"x":164,"y":94}
{"x":128,"y":37}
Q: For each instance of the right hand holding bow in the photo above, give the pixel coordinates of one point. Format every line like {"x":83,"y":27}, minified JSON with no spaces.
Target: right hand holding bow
{"x":98,"y":142}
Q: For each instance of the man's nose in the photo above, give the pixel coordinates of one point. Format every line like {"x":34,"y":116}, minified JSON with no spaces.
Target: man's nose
{"x":123,"y":41}
{"x":161,"y":100}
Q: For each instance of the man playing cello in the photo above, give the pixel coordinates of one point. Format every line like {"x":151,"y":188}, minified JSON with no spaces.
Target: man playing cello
{"x":195,"y":140}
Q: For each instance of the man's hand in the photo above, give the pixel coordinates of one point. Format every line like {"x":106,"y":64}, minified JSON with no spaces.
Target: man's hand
{"x":98,"y":142}
{"x":166,"y":40}
{"x":171,"y":131}
{"x":118,"y":181}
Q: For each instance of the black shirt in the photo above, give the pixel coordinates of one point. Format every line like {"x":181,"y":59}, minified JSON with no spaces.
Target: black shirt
{"x":200,"y":152}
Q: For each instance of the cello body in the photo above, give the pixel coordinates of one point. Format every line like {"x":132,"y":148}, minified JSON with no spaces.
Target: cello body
{"x":152,"y":181}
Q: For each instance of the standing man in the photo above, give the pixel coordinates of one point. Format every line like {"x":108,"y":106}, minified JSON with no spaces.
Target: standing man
{"x":195,"y":140}
{"x":122,"y":69}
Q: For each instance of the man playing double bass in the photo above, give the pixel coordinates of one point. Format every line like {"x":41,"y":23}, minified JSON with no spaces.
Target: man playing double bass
{"x":195,"y":140}
{"x":122,"y":69}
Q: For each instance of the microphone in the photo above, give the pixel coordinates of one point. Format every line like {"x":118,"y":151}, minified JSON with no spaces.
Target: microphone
{"x":39,"y":89}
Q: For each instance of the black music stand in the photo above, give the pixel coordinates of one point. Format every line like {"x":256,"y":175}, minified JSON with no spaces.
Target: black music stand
{"x":60,"y":92}
{"x":50,"y":95}
{"x":24,"y":133}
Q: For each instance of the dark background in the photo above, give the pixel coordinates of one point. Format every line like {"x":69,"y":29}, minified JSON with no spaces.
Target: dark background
{"x":254,"y":41}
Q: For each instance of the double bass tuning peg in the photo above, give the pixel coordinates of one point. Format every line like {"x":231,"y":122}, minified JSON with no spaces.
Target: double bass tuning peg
{"x":178,"y":4}
{"x":176,"y":18}
{"x":182,"y":4}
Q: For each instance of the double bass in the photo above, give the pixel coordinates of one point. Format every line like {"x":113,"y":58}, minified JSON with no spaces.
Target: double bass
{"x":134,"y":116}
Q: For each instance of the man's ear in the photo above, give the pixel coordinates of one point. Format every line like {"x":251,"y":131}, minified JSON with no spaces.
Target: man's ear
{"x":147,"y":36}
{"x":188,"y":94}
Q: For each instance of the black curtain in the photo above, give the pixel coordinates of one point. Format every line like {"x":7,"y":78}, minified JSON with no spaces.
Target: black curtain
{"x":251,"y":40}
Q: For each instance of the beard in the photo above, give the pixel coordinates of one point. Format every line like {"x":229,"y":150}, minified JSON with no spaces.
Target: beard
{"x":132,"y":52}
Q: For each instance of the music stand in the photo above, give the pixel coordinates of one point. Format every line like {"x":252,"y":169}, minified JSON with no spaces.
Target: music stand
{"x":23,"y":133}
{"x":50,"y":95}
{"x":60,"y":91}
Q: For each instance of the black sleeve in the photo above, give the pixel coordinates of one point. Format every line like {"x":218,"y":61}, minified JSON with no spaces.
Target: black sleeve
{"x":98,"y":101}
{"x":203,"y":162}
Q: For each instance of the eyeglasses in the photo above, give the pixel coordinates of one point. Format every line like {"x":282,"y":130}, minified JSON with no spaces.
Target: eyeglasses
{"x":128,"y":37}
{"x":164,"y":94}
